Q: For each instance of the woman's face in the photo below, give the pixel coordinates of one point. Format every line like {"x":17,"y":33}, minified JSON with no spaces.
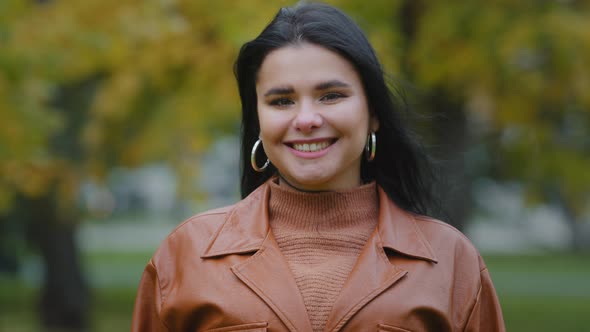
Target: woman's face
{"x":314,"y":118}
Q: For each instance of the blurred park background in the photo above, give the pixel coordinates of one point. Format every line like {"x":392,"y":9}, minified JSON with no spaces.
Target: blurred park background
{"x":119,"y":118}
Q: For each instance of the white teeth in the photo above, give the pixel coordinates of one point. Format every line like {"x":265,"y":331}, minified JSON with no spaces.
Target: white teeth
{"x":313,"y":147}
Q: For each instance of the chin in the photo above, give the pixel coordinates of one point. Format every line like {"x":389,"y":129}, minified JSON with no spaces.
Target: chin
{"x":312,"y":179}
{"x":317,"y":184}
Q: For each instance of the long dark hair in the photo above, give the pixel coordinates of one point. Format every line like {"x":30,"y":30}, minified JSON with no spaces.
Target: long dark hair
{"x":401,"y":167}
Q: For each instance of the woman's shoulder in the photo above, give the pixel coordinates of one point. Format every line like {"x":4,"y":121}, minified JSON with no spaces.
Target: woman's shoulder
{"x":192,"y":234}
{"x":447,"y":241}
{"x":203,"y":220}
{"x":436,"y":228}
{"x":196,"y":232}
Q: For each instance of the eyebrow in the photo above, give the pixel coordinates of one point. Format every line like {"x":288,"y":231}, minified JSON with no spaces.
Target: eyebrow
{"x":286,"y":90}
{"x":332,"y":84}
{"x":279,"y":91}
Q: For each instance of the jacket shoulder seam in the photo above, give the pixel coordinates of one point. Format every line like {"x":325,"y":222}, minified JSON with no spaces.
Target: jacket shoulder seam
{"x":163,"y":297}
{"x":472,"y":309}
{"x":221,"y":211}
{"x":444,"y":224}
{"x":477,"y":298}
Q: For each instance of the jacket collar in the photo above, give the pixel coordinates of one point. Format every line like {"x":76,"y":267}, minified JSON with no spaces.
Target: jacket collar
{"x":246,"y":227}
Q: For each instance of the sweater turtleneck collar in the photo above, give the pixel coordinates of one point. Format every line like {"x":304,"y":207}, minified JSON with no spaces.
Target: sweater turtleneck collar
{"x":330,"y":210}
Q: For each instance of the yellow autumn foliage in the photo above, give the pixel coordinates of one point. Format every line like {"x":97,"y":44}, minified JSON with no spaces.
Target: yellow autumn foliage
{"x":125,"y":82}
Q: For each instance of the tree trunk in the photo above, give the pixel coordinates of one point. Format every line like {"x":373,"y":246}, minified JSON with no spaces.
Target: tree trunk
{"x":580,"y":239}
{"x":450,"y":133}
{"x":447,"y":128}
{"x":9,"y":246}
{"x":64,"y":297}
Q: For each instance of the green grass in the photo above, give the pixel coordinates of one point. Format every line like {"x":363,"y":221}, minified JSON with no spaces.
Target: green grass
{"x":543,"y":293}
{"x":111,"y":308}
{"x":537,"y":293}
{"x":546,"y":313}
{"x":16,"y":306}
{"x":114,"y":278}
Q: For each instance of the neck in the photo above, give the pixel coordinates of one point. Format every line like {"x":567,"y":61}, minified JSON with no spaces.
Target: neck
{"x":322,"y":210}
{"x":289,"y":184}
{"x":283,"y":180}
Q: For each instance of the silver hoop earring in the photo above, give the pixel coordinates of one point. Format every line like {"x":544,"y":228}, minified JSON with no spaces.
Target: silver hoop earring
{"x":253,"y":158}
{"x":371,"y":146}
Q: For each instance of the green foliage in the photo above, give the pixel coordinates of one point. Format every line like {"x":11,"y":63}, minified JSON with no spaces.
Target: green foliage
{"x":523,"y":71}
{"x":119,"y":83}
{"x":154,"y":82}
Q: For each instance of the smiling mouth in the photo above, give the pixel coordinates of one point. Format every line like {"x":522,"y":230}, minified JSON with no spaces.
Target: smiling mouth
{"x":312,"y":147}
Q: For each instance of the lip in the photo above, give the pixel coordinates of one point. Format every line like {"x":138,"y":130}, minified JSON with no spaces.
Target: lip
{"x":310,"y":154}
{"x":310,"y":140}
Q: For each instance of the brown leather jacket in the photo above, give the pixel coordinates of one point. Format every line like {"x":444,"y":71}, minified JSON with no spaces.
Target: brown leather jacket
{"x":222,"y":271}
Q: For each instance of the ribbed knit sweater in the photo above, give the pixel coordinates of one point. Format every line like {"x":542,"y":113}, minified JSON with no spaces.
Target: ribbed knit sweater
{"x":321,"y":236}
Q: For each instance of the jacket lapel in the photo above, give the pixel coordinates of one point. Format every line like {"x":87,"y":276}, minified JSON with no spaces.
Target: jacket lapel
{"x":244,"y":229}
{"x":266,"y":272}
{"x":373,"y":273}
{"x":268,"y":275}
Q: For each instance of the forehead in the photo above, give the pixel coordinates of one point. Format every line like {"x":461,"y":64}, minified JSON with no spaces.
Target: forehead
{"x":305,"y":64}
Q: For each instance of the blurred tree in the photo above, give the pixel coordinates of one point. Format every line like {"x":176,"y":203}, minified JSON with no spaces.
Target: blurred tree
{"x":513,"y":76}
{"x":515,"y":71}
{"x":447,"y":127}
{"x":85,"y":86}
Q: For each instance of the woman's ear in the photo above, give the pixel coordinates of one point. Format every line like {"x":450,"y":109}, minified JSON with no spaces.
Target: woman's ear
{"x":374,"y":125}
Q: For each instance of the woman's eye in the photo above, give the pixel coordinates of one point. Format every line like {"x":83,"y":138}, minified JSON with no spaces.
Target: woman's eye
{"x":332,"y":96}
{"x":281,"y":102}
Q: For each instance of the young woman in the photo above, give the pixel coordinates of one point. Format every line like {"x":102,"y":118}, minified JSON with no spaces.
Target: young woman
{"x":332,"y":232}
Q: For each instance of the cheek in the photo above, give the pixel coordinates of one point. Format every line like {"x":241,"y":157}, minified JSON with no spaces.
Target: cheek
{"x":357,"y":119}
{"x":271,"y":127}
{"x":273,"y":120}
{"x":263,"y":120}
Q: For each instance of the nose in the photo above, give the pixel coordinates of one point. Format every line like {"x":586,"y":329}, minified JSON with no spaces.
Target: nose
{"x":307,"y":119}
